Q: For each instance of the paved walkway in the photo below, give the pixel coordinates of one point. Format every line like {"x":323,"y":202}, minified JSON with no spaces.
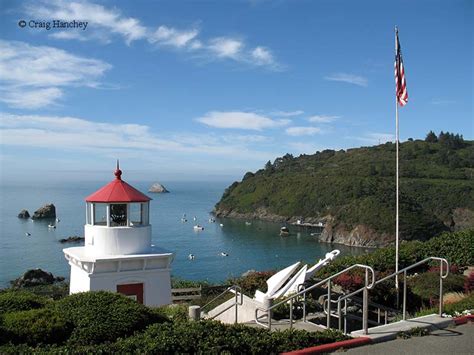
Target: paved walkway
{"x":453,"y":340}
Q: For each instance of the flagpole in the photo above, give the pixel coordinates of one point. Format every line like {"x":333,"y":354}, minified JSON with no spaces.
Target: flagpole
{"x":396,"y":177}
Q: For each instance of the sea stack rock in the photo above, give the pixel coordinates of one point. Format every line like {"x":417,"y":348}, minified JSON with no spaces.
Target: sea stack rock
{"x":47,"y":211}
{"x":35,"y":277}
{"x":24,"y":214}
{"x":157,"y":187}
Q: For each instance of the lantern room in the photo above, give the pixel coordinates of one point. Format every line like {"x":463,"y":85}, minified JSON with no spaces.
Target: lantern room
{"x":117,"y":219}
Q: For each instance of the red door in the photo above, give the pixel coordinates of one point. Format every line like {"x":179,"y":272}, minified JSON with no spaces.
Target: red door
{"x":134,"y":291}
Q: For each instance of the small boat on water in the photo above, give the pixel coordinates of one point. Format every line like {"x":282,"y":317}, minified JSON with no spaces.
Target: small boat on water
{"x":191,"y":256}
{"x":284,"y":232}
{"x":212,"y":220}
{"x":198,"y":227}
{"x":221,"y":225}
{"x":224,"y":254}
{"x":248,"y":223}
{"x":51,"y":226}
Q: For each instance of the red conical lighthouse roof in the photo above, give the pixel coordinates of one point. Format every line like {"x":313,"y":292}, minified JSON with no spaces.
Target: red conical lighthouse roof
{"x":117,"y":191}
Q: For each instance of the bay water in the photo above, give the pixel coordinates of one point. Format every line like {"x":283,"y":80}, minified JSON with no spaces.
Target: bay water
{"x":257,"y":246}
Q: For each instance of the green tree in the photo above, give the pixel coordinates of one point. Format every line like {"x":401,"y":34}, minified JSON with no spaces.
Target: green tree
{"x":431,"y":137}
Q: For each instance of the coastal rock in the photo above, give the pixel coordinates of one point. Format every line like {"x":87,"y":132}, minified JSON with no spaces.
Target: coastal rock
{"x":158,"y":188}
{"x":72,"y":239}
{"x":35,"y":277}
{"x":47,"y":211}
{"x":24,"y":214}
{"x":360,"y":235}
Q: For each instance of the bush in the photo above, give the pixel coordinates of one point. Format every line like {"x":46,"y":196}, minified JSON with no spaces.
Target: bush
{"x":461,"y":306}
{"x":253,"y":281}
{"x":426,"y":285}
{"x":453,"y":308}
{"x":469,"y":283}
{"x":174,"y":312}
{"x":455,"y":247}
{"x":214,"y":337}
{"x":12,"y":301}
{"x":36,"y":326}
{"x":104,"y":316}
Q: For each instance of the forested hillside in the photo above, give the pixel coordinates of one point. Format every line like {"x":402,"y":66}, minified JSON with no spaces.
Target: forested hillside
{"x":353,"y":191}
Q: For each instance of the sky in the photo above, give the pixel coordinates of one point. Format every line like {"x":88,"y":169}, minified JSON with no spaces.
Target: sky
{"x":208,"y":90}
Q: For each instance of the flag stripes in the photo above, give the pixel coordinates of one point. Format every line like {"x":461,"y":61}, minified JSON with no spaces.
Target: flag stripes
{"x":401,"y":85}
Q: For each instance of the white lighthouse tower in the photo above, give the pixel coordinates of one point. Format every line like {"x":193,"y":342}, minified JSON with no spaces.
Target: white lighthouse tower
{"x":118,"y":255}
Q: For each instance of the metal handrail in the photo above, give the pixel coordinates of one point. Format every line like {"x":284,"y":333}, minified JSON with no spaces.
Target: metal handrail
{"x":327,"y":280}
{"x":237,"y":290}
{"x":404,"y":271}
{"x":358,"y":300}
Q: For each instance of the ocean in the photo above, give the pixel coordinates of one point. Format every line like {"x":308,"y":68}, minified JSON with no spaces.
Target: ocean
{"x":257,"y":246}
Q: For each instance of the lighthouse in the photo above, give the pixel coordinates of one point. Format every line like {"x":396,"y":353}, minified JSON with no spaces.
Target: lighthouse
{"x":118,"y":255}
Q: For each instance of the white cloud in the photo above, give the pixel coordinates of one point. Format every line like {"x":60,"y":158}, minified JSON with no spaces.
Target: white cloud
{"x":173,"y":37}
{"x":302,"y":131}
{"x":109,"y":20}
{"x":67,"y":35}
{"x":287,"y":113}
{"x":349,"y":78}
{"x":262,"y":56}
{"x":31,"y":99}
{"x":240,"y":120}
{"x":226,"y":47}
{"x":71,"y":133}
{"x":322,"y":118}
{"x":33,"y":76}
{"x":108,"y":23}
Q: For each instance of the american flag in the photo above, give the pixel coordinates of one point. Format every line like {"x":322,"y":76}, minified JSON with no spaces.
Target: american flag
{"x":401,"y":85}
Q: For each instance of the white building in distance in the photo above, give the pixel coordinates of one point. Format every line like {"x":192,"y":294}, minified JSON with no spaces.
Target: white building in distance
{"x":118,"y":255}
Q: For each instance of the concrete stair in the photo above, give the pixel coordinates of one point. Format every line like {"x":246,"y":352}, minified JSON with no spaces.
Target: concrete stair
{"x":390,"y":331}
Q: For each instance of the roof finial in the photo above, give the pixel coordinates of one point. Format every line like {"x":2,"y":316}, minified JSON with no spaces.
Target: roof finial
{"x":118,"y":172}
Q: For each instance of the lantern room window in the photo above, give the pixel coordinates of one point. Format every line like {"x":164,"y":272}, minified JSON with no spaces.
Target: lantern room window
{"x":118,"y":214}
{"x":100,"y":214}
{"x":139,"y":214}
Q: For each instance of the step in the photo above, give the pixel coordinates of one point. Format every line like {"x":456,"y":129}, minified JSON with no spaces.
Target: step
{"x":278,"y":325}
{"x":390,"y":331}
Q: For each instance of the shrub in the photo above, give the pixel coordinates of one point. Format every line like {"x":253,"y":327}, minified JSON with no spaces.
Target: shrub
{"x":214,"y":337}
{"x":455,"y":247}
{"x":252,"y":281}
{"x":461,"y":306}
{"x":104,"y":316}
{"x":174,"y":312}
{"x":349,"y":282}
{"x":469,"y":283}
{"x":36,"y":326}
{"x":12,"y":301}
{"x":426,"y":285}
{"x":452,"y":309}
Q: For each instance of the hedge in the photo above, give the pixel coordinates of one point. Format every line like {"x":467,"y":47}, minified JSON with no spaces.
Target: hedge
{"x":36,"y":326}
{"x":214,"y":337}
{"x":13,"y":300}
{"x":104,"y":316}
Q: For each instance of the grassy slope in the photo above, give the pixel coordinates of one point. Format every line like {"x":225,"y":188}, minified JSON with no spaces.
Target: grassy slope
{"x":357,"y":186}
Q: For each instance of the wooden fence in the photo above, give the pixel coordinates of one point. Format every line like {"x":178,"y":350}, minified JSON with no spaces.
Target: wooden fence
{"x":185,"y":294}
